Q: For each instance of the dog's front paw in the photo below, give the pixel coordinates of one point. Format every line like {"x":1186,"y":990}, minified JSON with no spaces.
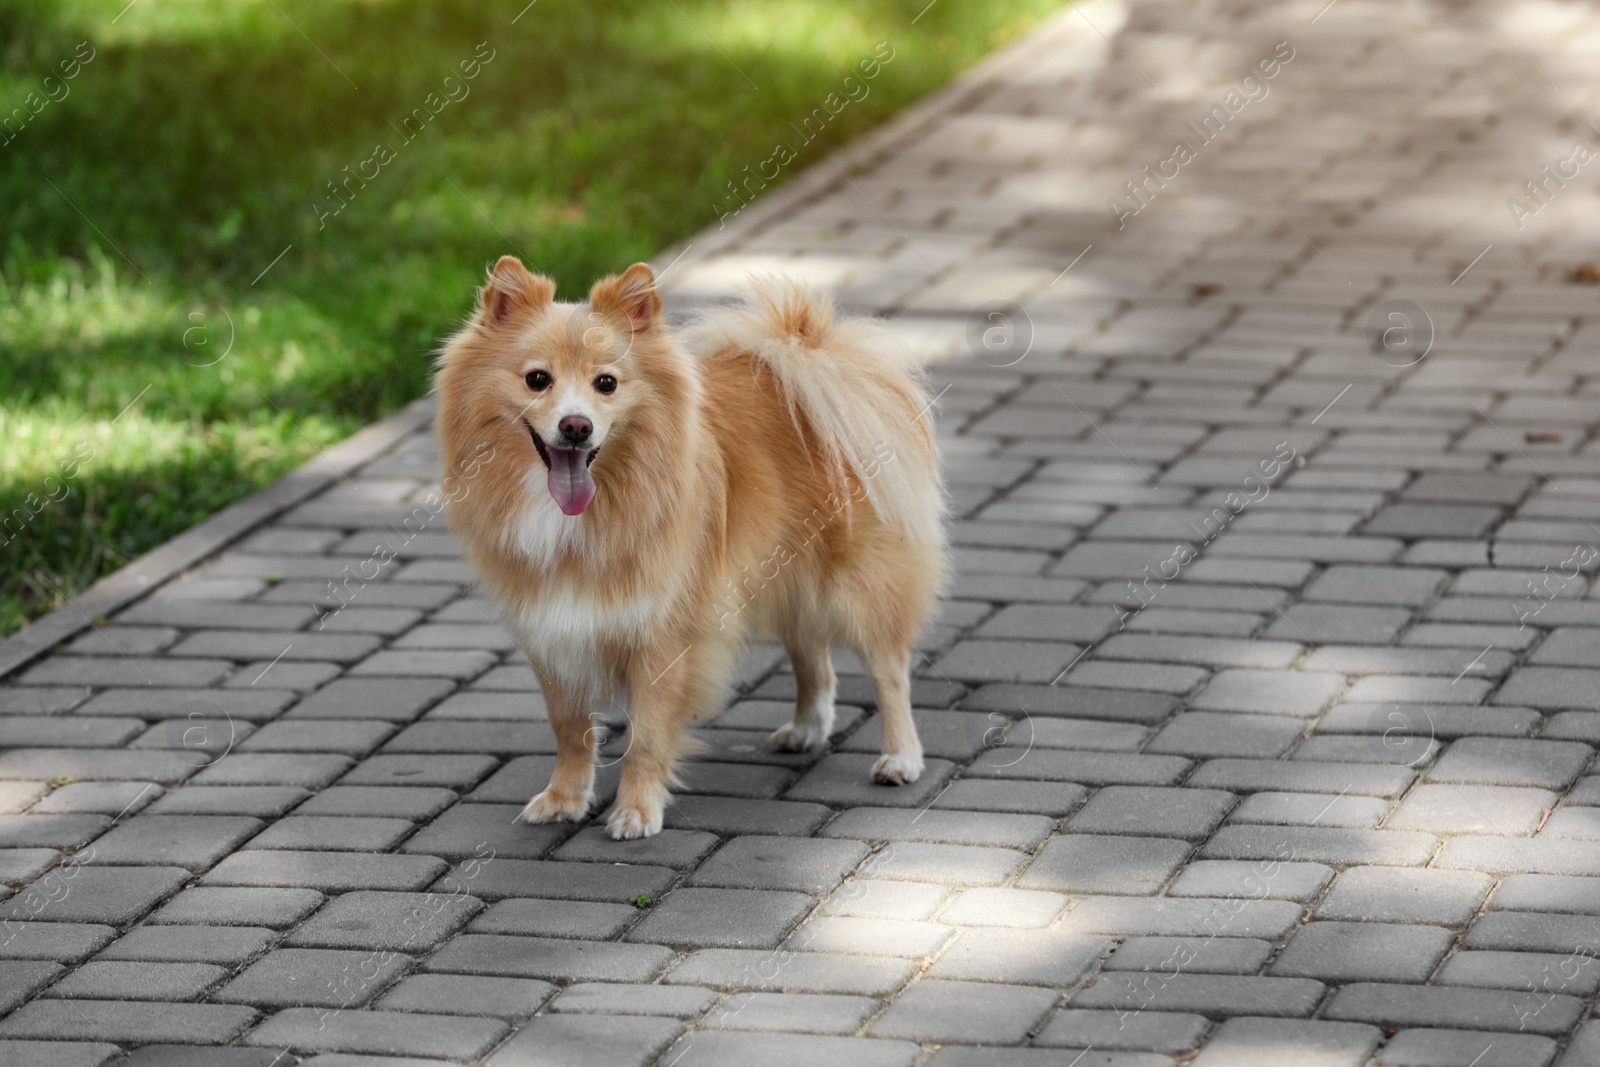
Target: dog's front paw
{"x":897,"y":768}
{"x":627,"y":824}
{"x":799,"y":737}
{"x":553,"y":807}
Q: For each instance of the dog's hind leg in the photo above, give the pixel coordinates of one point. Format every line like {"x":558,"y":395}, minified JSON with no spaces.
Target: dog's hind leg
{"x":888,"y":663}
{"x":571,"y":788}
{"x":813,"y":708}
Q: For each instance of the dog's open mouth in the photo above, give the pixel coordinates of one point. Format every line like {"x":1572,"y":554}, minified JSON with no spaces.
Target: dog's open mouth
{"x":568,"y":473}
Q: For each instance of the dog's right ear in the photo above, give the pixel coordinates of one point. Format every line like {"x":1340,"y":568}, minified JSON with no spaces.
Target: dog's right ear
{"x":513,"y":290}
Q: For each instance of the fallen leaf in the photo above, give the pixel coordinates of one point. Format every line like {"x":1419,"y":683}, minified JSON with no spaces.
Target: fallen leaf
{"x":1542,"y":437}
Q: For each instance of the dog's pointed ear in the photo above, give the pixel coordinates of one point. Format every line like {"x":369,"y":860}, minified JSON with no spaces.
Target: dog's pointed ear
{"x":511,"y":290}
{"x":632,"y":295}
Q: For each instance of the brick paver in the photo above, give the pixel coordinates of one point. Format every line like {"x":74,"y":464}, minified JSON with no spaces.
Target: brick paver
{"x":1261,"y":716}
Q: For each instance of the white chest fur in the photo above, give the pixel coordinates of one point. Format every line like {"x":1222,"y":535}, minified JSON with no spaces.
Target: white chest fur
{"x":565,"y":629}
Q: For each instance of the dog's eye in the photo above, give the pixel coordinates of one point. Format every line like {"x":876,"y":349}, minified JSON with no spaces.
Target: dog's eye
{"x":605,"y":384}
{"x":538,"y":380}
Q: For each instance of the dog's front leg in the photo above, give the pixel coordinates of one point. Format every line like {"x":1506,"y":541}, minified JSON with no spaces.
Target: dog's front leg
{"x":657,"y":685}
{"x":571,"y":789}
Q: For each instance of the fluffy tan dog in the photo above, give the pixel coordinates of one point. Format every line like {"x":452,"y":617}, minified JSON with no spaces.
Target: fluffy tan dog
{"x":651,"y":501}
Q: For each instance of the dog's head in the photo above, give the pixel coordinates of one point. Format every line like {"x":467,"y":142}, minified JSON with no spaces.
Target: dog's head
{"x":557,"y":385}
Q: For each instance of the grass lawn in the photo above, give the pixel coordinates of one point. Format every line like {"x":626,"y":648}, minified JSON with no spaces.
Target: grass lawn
{"x":159,"y":360}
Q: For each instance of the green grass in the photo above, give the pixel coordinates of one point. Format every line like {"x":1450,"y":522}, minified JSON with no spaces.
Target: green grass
{"x":199,"y":141}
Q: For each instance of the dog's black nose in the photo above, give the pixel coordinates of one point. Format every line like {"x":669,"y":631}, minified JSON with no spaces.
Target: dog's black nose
{"x":576,"y":428}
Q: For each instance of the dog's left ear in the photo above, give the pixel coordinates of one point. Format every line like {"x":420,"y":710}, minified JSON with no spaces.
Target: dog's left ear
{"x":633,"y":295}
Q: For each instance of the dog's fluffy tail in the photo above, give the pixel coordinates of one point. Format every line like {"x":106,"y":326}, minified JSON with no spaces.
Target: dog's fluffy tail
{"x":857,"y":386}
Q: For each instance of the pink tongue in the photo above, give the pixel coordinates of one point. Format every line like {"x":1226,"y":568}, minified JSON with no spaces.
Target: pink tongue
{"x":569,"y":479}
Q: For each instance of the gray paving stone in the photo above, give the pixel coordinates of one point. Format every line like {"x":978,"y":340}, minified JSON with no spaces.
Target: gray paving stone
{"x":378,"y":1032}
{"x":791,"y":1013}
{"x":1551,"y":687}
{"x":673,"y":1002}
{"x":577,"y":1040}
{"x":409,"y":922}
{"x":726,"y":918}
{"x":555,"y":918}
{"x":549,"y":958}
{"x":1195,"y":955}
{"x":730,"y":1049}
{"x":1440,"y":1048}
{"x":1087,"y":768}
{"x":193,"y":841}
{"x":399,"y":802}
{"x":19,"y":865}
{"x":1089,"y":703}
{"x":791,"y":971}
{"x":1007,"y":661}
{"x":1359,"y":951}
{"x":869,"y":898}
{"x":1201,"y":651}
{"x":1203,"y":994}
{"x":1252,"y":880}
{"x":957,"y":1056}
{"x":1253,"y":776}
{"x":1434,"y":520}
{"x":952,"y":865}
{"x":20,"y":979}
{"x":511,"y":999}
{"x":1208,"y":735}
{"x":1308,"y":809}
{"x":98,"y":798}
{"x":332,"y":833}
{"x":1472,"y":809}
{"x":1513,"y":931}
{"x":1547,"y":892}
{"x":963,"y":1013}
{"x":308,"y":771}
{"x":1505,"y":761}
{"x":1156,"y":1031}
{"x":222,"y":945}
{"x":62,"y":942}
{"x":468,"y":830}
{"x":606,"y":882}
{"x":1176,"y":917}
{"x":50,"y":831}
{"x":112,"y":980}
{"x":1186,"y":813}
{"x":128,"y":1022}
{"x":1301,"y":693}
{"x":976,"y":794}
{"x":1267,"y":1042}
{"x":1404,"y":895}
{"x":871,"y":936}
{"x":349,"y":737}
{"x":952,"y":827}
{"x":804,"y":865}
{"x":115,"y":896}
{"x":1317,"y":844}
{"x":1351,"y":624}
{"x":1004,"y":907}
{"x":1084,"y":863}
{"x":58,"y":1053}
{"x":1573,"y":973}
{"x":324,"y":978}
{"x":208,"y":906}
{"x":681,"y":849}
{"x":333,"y":872}
{"x":1501,"y":1010}
{"x":1024,"y":957}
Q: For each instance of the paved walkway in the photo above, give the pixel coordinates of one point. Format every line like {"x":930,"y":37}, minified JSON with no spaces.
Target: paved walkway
{"x":1260,"y":715}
